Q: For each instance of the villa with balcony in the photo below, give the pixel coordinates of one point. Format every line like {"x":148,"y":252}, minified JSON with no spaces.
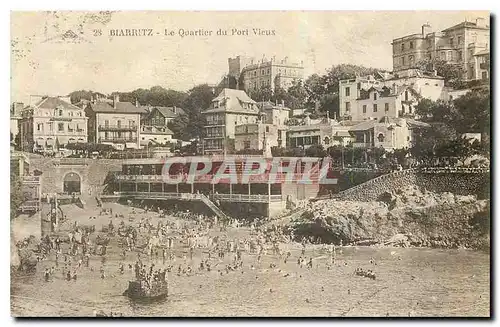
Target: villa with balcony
{"x":115,"y":123}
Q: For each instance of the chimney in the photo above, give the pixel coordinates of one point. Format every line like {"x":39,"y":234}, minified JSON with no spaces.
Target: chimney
{"x":137,"y":103}
{"x":174,"y":110}
{"x":426,"y":29}
{"x":116,"y":99}
{"x":480,"y":22}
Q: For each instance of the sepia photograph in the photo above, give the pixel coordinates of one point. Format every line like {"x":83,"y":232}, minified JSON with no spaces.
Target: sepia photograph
{"x":250,"y":164}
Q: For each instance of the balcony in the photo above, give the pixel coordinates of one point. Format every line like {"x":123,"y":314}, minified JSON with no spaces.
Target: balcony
{"x":117,"y":139}
{"x":117,"y":128}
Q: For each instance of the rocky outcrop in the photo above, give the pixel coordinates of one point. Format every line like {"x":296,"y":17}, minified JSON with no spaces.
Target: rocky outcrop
{"x":407,"y":216}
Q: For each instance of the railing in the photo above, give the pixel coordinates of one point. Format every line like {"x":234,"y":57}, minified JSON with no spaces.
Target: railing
{"x":248,"y":198}
{"x":467,"y":170}
{"x":228,"y":178}
{"x":199,"y":196}
{"x":117,"y":128}
{"x":31,"y":179}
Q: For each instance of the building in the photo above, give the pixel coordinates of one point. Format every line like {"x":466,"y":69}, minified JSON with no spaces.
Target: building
{"x":457,"y":44}
{"x":159,"y":116}
{"x":229,"y":109}
{"x":260,"y":136}
{"x":482,"y":64}
{"x":51,"y":123}
{"x":398,"y":93}
{"x":378,"y":102}
{"x":268,"y":132}
{"x":325,"y":132}
{"x":114,"y":122}
{"x":154,"y":135}
{"x":252,"y":74}
{"x":259,"y":196}
{"x":387,"y":132}
{"x":154,"y":123}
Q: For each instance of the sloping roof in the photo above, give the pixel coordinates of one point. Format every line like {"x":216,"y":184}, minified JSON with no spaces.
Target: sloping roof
{"x":235,"y":106}
{"x":121,"y":107}
{"x":416,"y":123}
{"x":363,"y":126}
{"x":239,"y":94}
{"x":54,"y":102}
{"x":465,"y":25}
{"x":168,"y":112}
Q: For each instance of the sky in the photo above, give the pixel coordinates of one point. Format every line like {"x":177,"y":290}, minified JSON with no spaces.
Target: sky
{"x":44,"y":63}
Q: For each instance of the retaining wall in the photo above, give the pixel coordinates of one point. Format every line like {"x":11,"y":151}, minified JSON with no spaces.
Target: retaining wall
{"x":457,"y":183}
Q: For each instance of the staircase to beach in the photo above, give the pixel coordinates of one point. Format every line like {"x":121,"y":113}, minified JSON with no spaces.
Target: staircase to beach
{"x":212,"y":206}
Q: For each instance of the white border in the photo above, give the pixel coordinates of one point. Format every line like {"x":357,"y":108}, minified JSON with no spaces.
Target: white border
{"x":190,"y":5}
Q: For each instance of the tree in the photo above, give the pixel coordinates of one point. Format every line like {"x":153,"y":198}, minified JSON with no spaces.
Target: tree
{"x":16,"y":193}
{"x":77,"y":96}
{"x":264,"y":93}
{"x":453,"y":74}
{"x":191,"y":125}
{"x":316,"y":150}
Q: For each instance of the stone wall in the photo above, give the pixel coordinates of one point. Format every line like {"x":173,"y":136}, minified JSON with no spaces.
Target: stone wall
{"x":457,"y":183}
{"x":92,"y":172}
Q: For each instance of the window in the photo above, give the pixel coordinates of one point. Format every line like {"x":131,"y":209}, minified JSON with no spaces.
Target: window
{"x":359,"y":86}
{"x":412,"y":60}
{"x":459,"y":40}
{"x":106,"y":123}
{"x":119,"y":123}
{"x":262,"y":72}
{"x":267,"y":129}
{"x":268,"y":71}
{"x":406,"y":95}
{"x":374,"y":95}
{"x":51,"y":127}
{"x":403,"y":60}
{"x":60,"y":127}
{"x":459,"y":55}
{"x":448,"y":56}
{"x":375,"y":107}
{"x":347,"y":91}
{"x":246,"y":144}
{"x":381,"y":137}
{"x":443,"y":55}
{"x":347,"y":106}
{"x":364,"y":108}
{"x":402,"y":47}
{"x":411,"y":44}
{"x":70,"y":113}
{"x":60,"y":112}
{"x":451,"y":42}
{"x":131,"y":124}
{"x":39,"y":127}
{"x":386,"y":107}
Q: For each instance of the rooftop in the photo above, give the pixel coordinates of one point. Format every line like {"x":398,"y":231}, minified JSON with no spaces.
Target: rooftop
{"x":121,"y":107}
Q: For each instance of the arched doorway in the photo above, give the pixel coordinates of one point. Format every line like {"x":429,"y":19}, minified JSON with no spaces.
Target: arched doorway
{"x":72,"y":183}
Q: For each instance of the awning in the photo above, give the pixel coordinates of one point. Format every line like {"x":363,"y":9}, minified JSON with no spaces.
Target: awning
{"x":50,"y":142}
{"x":40,"y":142}
{"x":81,"y":140}
{"x":71,"y":140}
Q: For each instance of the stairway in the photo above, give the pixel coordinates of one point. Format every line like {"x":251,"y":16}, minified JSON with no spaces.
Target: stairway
{"x":212,"y":206}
